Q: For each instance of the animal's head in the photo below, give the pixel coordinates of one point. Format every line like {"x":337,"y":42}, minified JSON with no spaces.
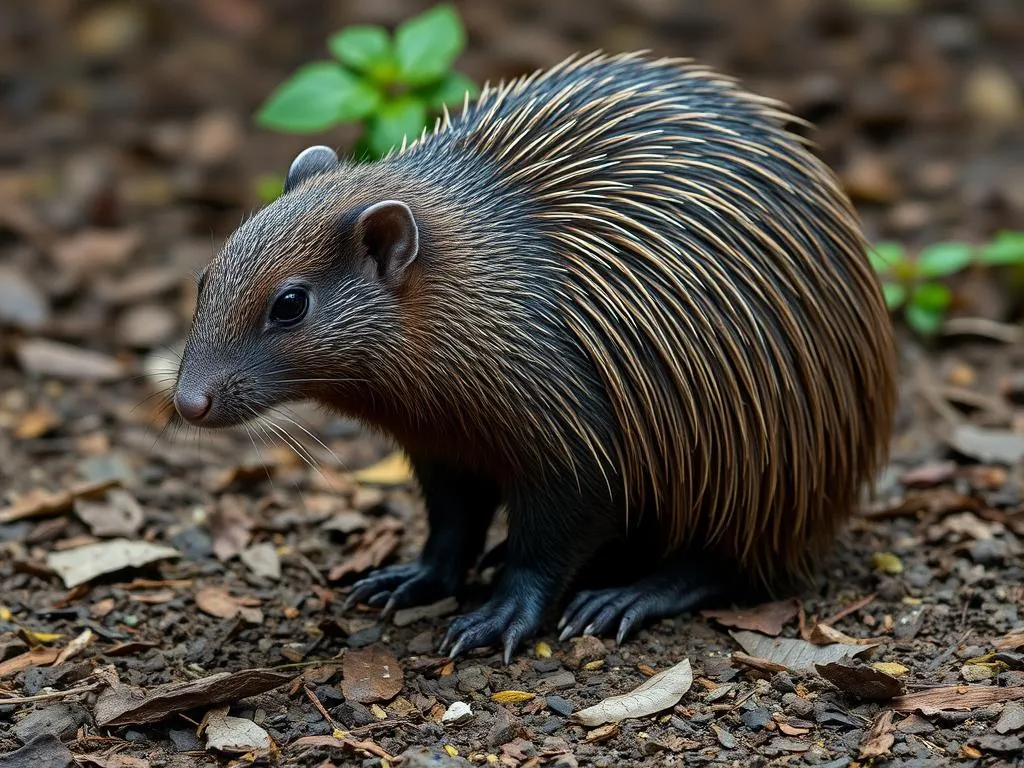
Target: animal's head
{"x":302,"y":299}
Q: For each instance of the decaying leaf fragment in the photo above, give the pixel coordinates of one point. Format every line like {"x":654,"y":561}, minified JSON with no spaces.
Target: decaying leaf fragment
{"x":121,"y":705}
{"x":657,"y":693}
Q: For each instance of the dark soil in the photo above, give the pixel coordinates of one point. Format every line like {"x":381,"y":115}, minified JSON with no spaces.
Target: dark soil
{"x":127,"y":153}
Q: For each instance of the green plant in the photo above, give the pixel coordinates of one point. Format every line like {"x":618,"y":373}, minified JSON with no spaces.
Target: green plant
{"x":393,"y":85}
{"x":915,"y":284}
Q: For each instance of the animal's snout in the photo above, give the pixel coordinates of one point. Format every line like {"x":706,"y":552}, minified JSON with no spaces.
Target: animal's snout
{"x":193,"y":404}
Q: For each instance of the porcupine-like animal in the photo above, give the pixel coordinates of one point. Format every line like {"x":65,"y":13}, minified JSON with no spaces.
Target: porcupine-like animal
{"x":619,"y":298}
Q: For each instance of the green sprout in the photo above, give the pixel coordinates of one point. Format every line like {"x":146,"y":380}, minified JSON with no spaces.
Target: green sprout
{"x":393,"y":85}
{"x":914,"y":285}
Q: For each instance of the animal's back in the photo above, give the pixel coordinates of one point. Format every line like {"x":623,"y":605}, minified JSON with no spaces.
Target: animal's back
{"x":713,"y":273}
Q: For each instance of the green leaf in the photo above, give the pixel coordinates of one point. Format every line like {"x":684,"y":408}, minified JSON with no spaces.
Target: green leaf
{"x":1006,"y":250}
{"x":451,"y":91}
{"x":316,"y":97}
{"x":895,"y":294}
{"x":426,"y":45}
{"x":933,"y":296}
{"x":362,"y":47}
{"x":404,"y":117}
{"x":943,"y":259}
{"x":924,"y":320}
{"x":886,"y":255}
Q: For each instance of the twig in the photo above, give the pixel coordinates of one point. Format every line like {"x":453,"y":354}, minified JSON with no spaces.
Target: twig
{"x":980,"y":326}
{"x":335,"y":725}
{"x":924,"y":379}
{"x":851,"y":608}
{"x":50,"y":696}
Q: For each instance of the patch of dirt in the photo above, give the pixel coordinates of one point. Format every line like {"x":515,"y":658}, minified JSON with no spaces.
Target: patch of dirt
{"x":127,"y":153}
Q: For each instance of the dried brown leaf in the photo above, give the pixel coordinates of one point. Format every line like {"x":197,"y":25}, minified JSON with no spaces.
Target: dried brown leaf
{"x":121,"y":705}
{"x":39,"y":503}
{"x":797,"y":655}
{"x":768,"y":618}
{"x":233,"y":734}
{"x":376,"y":545}
{"x":956,"y":697}
{"x":230,"y":527}
{"x":657,"y":693}
{"x":371,"y":675}
{"x":219,"y":602}
{"x":880,"y":738}
{"x":36,"y":657}
{"x":861,"y":682}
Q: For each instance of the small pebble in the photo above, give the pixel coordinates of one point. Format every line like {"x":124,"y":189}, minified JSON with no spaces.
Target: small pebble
{"x":559,"y":706}
{"x":756,"y":718}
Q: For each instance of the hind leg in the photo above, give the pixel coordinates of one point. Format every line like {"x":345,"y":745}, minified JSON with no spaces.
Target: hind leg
{"x":678,"y":585}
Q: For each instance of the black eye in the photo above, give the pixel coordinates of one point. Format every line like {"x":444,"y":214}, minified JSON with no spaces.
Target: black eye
{"x":290,"y":307}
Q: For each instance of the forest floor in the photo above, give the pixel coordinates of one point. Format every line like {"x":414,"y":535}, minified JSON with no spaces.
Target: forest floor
{"x":133,"y":558}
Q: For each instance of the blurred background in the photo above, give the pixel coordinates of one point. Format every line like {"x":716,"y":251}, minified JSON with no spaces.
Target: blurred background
{"x":128,"y":147}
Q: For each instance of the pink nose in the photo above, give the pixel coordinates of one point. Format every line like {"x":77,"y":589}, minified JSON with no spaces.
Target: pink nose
{"x":193,"y":405}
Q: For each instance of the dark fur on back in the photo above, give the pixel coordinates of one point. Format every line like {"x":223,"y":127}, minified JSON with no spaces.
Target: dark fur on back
{"x":629,"y":269}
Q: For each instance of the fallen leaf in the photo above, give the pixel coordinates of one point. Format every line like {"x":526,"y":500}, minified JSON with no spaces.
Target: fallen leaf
{"x":376,"y":545}
{"x":512,"y":697}
{"x":39,"y":503}
{"x":880,"y":738}
{"x":119,"y":514}
{"x":121,"y":705}
{"x":757,"y":663}
{"x":36,"y":657}
{"x":36,"y":423}
{"x":58,"y":360}
{"x":862,"y":683}
{"x":796,"y":655}
{"x":887,"y":562}
{"x":219,"y":602}
{"x":155,"y":598}
{"x":768,"y":618}
{"x":83,"y":564}
{"x":989,"y":446}
{"x":392,"y":470}
{"x":603,"y":733}
{"x":655,"y":694}
{"x":348,"y":521}
{"x":22,"y":303}
{"x":233,"y":734}
{"x":792,"y":730}
{"x":725,"y":738}
{"x":823,"y":634}
{"x":928,"y":475}
{"x":890,"y":668}
{"x":1010,"y":641}
{"x":75,"y":647}
{"x":97,"y":248}
{"x":370,"y":675}
{"x":955,"y":697}
{"x":335,"y":742}
{"x":230,"y":527}
{"x":262,"y":560}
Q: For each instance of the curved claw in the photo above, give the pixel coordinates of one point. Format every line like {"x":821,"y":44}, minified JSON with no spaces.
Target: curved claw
{"x":598,"y":612}
{"x":398,"y":586}
{"x":509,"y":620}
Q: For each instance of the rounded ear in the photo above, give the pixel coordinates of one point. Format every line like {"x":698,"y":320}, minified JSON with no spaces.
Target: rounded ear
{"x":389,"y":232}
{"x":309,"y":163}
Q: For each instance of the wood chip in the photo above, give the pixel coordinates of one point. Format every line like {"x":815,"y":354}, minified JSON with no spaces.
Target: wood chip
{"x":956,"y":698}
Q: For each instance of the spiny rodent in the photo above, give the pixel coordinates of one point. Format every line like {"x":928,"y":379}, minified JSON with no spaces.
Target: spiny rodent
{"x":619,"y":297}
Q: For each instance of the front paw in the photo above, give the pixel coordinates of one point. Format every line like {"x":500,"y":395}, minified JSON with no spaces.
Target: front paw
{"x":509,"y":618}
{"x":400,"y":586}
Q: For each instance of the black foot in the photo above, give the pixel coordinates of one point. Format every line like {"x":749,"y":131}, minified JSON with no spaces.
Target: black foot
{"x":509,"y":617}
{"x":595,"y":612}
{"x":400,"y":586}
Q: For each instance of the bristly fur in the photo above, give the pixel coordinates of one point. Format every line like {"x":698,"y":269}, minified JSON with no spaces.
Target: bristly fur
{"x":633,"y":268}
